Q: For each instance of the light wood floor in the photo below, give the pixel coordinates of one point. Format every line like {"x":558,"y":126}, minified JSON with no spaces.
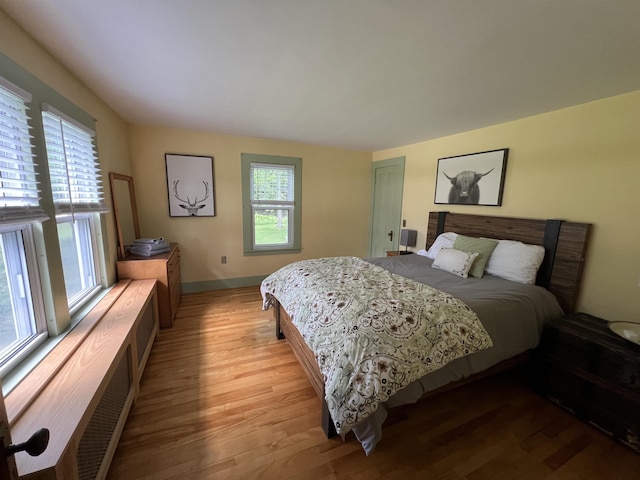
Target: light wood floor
{"x":221,"y":398}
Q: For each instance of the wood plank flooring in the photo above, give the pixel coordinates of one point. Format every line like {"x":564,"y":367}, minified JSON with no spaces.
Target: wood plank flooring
{"x":221,"y":398}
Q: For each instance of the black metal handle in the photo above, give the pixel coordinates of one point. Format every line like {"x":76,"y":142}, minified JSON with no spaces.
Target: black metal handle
{"x":34,"y":446}
{"x":390,"y":235}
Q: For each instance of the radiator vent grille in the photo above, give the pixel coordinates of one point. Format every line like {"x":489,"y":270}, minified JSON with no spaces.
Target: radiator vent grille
{"x":145,"y":327}
{"x":96,"y":437}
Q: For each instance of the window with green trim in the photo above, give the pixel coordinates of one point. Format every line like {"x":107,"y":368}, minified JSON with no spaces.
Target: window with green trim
{"x":271,"y":199}
{"x":65,"y":175}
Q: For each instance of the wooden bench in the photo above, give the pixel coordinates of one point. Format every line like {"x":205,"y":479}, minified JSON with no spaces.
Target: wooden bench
{"x":83,"y":390}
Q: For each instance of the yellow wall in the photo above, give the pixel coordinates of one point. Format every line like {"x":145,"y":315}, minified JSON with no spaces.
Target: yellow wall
{"x":111,"y":130}
{"x":580,"y":164}
{"x":335,"y":202}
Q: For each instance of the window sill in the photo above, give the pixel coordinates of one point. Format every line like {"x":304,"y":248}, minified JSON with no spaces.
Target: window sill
{"x":27,"y":386}
{"x":19,"y":370}
{"x":278,"y":251}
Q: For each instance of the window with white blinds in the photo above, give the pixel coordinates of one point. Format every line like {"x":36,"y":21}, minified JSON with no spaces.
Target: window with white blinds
{"x":76,"y":187}
{"x":22,"y":320}
{"x":19,"y":194}
{"x":62,"y":177}
{"x":74,"y":171}
{"x":271,"y":203}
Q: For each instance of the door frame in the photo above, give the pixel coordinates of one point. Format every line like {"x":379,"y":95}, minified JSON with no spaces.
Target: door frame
{"x":7,"y":463}
{"x":390,"y":162}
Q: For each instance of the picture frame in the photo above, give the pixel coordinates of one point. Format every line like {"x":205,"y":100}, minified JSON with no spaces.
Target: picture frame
{"x":190,"y":185}
{"x":472,"y":179}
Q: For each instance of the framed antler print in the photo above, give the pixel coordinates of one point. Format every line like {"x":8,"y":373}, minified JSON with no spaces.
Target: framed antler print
{"x":190,"y":185}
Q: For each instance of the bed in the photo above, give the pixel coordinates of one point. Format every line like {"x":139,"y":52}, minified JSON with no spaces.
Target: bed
{"x":496,"y":303}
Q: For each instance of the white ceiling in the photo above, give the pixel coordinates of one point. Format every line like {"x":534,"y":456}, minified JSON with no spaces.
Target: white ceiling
{"x":357,"y":74}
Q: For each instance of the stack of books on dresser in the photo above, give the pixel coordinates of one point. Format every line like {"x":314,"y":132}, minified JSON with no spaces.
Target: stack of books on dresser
{"x":147,"y":247}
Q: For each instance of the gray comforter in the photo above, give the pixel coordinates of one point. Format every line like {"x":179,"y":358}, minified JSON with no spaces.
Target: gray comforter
{"x":512,"y":313}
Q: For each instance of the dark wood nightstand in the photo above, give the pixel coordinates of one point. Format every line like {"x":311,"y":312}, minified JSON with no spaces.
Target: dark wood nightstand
{"x":393,"y":253}
{"x":584,"y":367}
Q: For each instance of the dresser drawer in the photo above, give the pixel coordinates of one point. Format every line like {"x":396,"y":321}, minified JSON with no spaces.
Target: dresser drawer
{"x":173,"y":263}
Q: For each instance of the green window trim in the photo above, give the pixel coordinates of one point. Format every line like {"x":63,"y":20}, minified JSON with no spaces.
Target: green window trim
{"x":295,"y":208}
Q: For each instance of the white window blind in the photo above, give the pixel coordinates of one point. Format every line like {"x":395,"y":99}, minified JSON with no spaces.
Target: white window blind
{"x":271,"y":204}
{"x":74,"y":171}
{"x":272,"y":185}
{"x":19,"y":194}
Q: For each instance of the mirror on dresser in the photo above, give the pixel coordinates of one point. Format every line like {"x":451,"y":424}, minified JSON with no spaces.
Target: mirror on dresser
{"x":125,"y":210}
{"x":164,"y":267}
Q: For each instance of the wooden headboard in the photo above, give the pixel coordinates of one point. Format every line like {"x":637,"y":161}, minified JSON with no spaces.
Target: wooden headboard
{"x":565,"y":245}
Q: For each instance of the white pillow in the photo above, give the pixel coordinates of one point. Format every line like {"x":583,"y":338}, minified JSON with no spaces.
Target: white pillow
{"x":515,"y":261}
{"x":444,"y":240}
{"x":454,"y":261}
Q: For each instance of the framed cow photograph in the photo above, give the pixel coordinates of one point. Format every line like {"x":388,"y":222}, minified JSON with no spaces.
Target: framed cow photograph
{"x":190,"y":185}
{"x":472,"y":179}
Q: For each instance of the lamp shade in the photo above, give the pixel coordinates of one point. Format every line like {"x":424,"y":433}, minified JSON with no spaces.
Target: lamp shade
{"x":408,"y":237}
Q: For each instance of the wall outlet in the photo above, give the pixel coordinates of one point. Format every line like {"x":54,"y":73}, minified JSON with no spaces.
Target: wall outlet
{"x":223,"y":259}
{"x":404,"y":223}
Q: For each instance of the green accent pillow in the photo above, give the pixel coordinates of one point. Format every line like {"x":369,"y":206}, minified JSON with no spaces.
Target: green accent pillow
{"x":482,"y":246}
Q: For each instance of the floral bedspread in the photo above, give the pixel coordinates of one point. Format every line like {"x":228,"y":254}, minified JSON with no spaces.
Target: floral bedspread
{"x":372,"y":332}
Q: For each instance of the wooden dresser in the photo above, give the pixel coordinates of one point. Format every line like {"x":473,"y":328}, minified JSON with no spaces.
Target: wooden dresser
{"x":584,"y":367}
{"x":165,"y":268}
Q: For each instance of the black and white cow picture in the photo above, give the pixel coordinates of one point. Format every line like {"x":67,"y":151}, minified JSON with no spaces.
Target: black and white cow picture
{"x":465,"y":188}
{"x":460,"y":180}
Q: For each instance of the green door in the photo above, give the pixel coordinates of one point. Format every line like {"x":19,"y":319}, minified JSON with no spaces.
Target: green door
{"x":386,"y":206}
